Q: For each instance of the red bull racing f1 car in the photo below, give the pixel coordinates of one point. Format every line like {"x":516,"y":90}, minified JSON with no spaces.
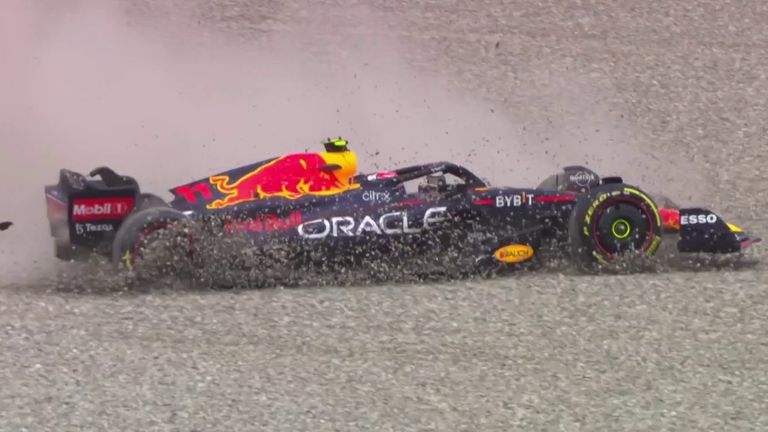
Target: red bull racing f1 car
{"x":321,"y":210}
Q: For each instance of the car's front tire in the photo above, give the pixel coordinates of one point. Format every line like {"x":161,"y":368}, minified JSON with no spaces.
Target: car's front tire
{"x":614,"y":220}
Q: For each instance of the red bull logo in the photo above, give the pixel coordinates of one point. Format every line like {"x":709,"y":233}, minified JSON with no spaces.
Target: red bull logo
{"x":291,"y":176}
{"x":263,"y":223}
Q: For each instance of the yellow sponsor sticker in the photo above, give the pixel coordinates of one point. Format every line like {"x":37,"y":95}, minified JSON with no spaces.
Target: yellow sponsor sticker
{"x":514,"y":253}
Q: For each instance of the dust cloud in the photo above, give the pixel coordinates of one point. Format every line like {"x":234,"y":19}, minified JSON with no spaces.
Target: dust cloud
{"x":168,"y":99}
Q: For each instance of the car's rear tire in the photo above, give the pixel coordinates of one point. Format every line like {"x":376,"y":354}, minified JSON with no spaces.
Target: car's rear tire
{"x":148,"y":200}
{"x":131,"y":238}
{"x":614,"y":220}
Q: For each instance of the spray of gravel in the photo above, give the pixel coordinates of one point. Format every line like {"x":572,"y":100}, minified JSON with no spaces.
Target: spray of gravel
{"x":168,"y":99}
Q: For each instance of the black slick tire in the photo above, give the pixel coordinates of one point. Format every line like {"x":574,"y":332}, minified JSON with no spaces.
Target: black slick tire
{"x":148,"y":200}
{"x":613,"y":220}
{"x":130,"y":238}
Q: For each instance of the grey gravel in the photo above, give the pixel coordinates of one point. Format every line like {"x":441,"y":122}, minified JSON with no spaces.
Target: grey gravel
{"x":666,"y":351}
{"x":545,"y":352}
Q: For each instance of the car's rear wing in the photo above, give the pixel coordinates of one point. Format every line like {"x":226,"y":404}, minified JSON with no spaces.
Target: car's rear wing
{"x":84,"y":213}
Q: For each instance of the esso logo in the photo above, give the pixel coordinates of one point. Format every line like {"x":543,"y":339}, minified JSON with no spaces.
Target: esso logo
{"x":698,"y":219}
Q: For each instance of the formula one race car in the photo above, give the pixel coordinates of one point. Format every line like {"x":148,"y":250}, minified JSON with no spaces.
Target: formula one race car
{"x":319,"y":208}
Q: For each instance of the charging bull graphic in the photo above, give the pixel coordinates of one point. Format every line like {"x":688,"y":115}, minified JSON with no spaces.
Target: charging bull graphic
{"x":290,"y":176}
